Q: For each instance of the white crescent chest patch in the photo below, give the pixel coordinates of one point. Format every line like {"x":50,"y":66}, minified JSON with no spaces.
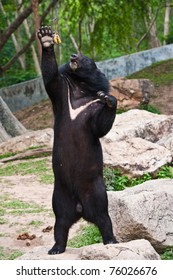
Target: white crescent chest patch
{"x":74,"y":113}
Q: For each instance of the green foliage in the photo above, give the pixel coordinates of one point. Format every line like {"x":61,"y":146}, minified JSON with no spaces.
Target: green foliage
{"x":103,"y":30}
{"x":88,"y":235}
{"x":168,"y":254}
{"x":149,"y":108}
{"x":115,"y":181}
{"x":165,"y":171}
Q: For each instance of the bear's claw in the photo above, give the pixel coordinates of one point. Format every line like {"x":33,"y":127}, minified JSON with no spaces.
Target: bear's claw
{"x":109,"y":100}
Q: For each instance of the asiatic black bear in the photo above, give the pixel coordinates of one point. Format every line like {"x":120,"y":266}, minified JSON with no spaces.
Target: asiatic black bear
{"x":83,"y":112}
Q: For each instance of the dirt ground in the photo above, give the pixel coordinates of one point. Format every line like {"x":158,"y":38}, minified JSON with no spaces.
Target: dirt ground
{"x":28,"y":213}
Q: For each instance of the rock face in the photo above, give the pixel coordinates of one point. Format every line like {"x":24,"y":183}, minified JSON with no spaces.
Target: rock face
{"x":144,"y":211}
{"x":134,"y":250}
{"x":139,"y":142}
{"x":131,"y":92}
{"x":28,"y":140}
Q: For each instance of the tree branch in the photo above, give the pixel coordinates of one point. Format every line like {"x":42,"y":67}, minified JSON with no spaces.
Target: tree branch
{"x":14,"y":25}
{"x":26,"y":47}
{"x":149,"y":28}
{"x":30,"y":153}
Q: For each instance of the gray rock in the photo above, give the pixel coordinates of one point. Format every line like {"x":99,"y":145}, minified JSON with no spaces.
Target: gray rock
{"x":139,"y":142}
{"x":30,"y":139}
{"x":134,"y":250}
{"x":144,"y":211}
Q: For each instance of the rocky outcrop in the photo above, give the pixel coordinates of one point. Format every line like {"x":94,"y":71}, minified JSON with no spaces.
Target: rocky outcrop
{"x":144,"y":211}
{"x":9,"y":125}
{"x":134,"y":250}
{"x":28,"y":140}
{"x":139,"y":142}
{"x":130,"y":93}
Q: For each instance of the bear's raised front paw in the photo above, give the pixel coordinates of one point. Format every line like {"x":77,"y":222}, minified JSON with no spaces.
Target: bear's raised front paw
{"x":109,"y":100}
{"x":56,"y":250}
{"x":46,"y":36}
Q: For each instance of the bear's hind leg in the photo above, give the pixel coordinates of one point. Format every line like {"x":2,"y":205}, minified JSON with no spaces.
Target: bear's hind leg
{"x":66,"y":214}
{"x":61,"y":230}
{"x":95,"y":210}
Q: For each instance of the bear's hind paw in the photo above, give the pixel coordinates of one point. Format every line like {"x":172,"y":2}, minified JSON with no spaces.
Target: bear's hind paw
{"x":56,"y":250}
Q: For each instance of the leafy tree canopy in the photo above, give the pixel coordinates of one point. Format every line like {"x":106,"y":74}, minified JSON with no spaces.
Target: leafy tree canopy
{"x":101,"y":29}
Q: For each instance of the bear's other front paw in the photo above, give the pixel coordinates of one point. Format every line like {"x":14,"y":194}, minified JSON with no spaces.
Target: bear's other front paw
{"x":46,"y":36}
{"x":109,"y":100}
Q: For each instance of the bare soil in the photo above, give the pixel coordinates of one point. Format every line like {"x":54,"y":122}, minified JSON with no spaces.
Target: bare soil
{"x":35,"y":221}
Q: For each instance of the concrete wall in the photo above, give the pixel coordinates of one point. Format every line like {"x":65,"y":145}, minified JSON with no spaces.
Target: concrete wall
{"x":30,"y":92}
{"x":24,"y":94}
{"x":128,"y":64}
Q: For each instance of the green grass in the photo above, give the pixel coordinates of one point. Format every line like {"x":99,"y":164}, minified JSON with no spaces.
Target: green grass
{"x":6,"y":255}
{"x":6,"y":155}
{"x":39,"y":167}
{"x":36,"y":223}
{"x":160,"y":73}
{"x":89,"y":235}
{"x":15,"y":206}
{"x":149,"y":108}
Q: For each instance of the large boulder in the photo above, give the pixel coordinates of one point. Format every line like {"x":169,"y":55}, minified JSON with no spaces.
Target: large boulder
{"x":133,"y":250}
{"x":144,"y":211}
{"x":139,"y":142}
{"x":130,"y":93}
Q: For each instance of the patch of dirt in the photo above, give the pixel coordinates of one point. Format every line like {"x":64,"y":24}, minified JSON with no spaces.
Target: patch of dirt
{"x":162,"y":99}
{"x":40,"y":116}
{"x":36,"y":221}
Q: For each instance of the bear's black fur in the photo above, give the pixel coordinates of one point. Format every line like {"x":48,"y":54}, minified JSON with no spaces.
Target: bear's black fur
{"x":83,"y":112}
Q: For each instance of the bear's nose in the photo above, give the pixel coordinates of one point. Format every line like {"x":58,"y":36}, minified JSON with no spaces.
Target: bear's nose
{"x":74,"y":57}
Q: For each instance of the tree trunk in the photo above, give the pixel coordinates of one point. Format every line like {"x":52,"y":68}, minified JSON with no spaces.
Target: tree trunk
{"x":15,"y":42}
{"x":154,"y":41}
{"x":34,"y":5}
{"x":166,"y":22}
{"x":34,"y":54}
{"x":9,"y":125}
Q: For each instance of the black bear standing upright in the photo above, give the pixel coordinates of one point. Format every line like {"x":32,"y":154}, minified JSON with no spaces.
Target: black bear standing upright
{"x":83,"y":111}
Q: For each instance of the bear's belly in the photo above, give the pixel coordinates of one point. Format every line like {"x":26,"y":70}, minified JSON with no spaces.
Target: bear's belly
{"x":77,"y":157}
